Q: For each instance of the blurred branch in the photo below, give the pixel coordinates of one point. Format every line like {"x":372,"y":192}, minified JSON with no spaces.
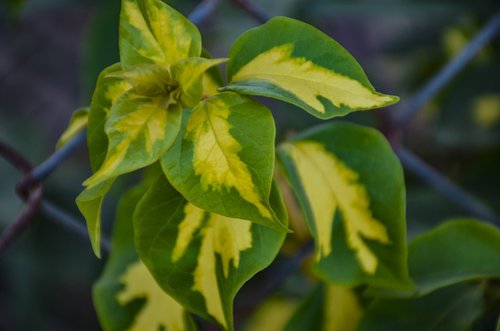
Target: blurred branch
{"x":49,"y":165}
{"x":203,"y":11}
{"x":30,"y":190}
{"x":253,"y":10}
{"x":23,"y":219}
{"x":59,"y":217}
{"x":409,"y":110}
{"x":448,"y":189}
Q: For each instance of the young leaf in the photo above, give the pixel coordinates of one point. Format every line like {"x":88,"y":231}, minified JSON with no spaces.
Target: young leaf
{"x":189,"y":73}
{"x":153,"y":32}
{"x":107,"y":91}
{"x":140,"y":130}
{"x":89,"y":203}
{"x":453,"y":308}
{"x":223,"y":159}
{"x":77,"y":124}
{"x":150,"y":80}
{"x":454,"y":252}
{"x":200,"y":258}
{"x":126,"y":296}
{"x":292,"y":61}
{"x":351,"y":188}
{"x":328,"y":308}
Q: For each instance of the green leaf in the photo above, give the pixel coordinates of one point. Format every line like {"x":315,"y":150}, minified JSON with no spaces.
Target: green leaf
{"x":77,"y":124}
{"x":328,"y":308}
{"x":351,"y":188}
{"x":223,"y":158}
{"x":453,"y":308}
{"x":140,"y":130}
{"x":89,"y":203}
{"x":126,"y":297}
{"x":292,"y":61}
{"x":200,"y":258}
{"x":153,"y":32}
{"x":107,"y":91}
{"x":456,"y":251}
{"x":189,"y":74}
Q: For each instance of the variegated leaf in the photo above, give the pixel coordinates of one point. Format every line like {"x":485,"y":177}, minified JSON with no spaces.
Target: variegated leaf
{"x":140,"y":130}
{"x":126,"y":296}
{"x":223,"y":159}
{"x":350,"y":185}
{"x":153,"y":32}
{"x":202,"y":258}
{"x":292,"y":61}
{"x":108,"y":90}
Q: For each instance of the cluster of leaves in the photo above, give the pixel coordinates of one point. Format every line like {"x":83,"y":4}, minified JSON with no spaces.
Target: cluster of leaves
{"x":207,"y":215}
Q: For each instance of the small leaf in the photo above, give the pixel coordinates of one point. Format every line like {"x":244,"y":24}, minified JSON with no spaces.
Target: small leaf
{"x":350,"y":185}
{"x":329,"y":308}
{"x":107,"y":91}
{"x":150,"y":80}
{"x":453,"y":308}
{"x":189,"y":74}
{"x":200,"y":258}
{"x":89,"y":203}
{"x":277,"y":60}
{"x":153,"y":32}
{"x":77,"y":124}
{"x":223,"y":159}
{"x":456,"y":251}
{"x":140,"y":130}
{"x":126,"y":297}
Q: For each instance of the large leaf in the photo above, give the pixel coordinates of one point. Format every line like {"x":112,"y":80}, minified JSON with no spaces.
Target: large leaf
{"x":452,"y":309}
{"x":140,"y":130}
{"x":223,"y":159}
{"x":454,"y":252}
{"x":292,"y":61}
{"x":202,"y":258}
{"x":126,"y":296}
{"x":153,"y":32}
{"x":351,"y":187}
{"x":328,"y":308}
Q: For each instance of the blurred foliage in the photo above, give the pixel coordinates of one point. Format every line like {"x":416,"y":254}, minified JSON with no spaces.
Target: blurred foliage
{"x":401,"y":44}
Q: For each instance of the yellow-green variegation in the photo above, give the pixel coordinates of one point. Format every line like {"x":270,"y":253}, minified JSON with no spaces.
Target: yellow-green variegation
{"x":126,"y":296}
{"x":160,"y":58}
{"x":351,"y":188}
{"x":223,"y":160}
{"x":327,"y":308}
{"x":136,"y":109}
{"x":201,"y":258}
{"x":108,"y":90}
{"x":292,"y":61}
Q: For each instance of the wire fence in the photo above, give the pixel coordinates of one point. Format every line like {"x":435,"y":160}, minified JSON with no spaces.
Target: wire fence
{"x":30,"y":186}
